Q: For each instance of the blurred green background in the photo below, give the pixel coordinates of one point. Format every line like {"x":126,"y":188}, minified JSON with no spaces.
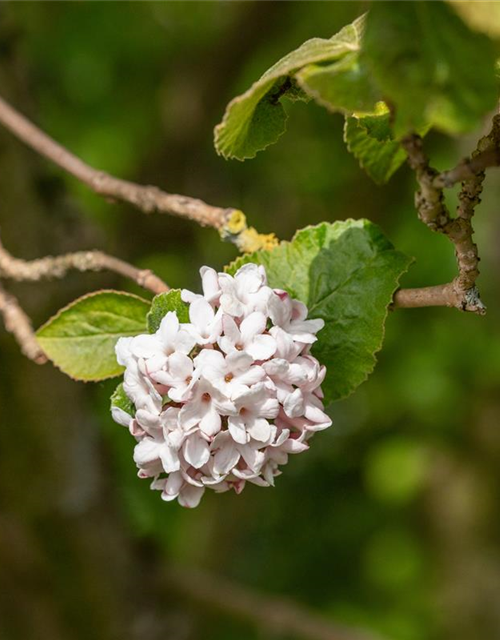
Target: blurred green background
{"x":391,"y":521}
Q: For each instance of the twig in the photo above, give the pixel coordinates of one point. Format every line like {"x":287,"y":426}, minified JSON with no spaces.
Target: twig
{"x":462,"y":293}
{"x":443,"y":295}
{"x":18,"y":323}
{"x":146,"y":198}
{"x":276,"y":615}
{"x":230,"y":222}
{"x":57,"y":267}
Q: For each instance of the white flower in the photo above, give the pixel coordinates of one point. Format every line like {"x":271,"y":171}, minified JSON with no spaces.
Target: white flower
{"x":225,"y":398}
{"x":249,"y":337}
{"x":254,"y":407}
{"x":246,"y":292}
{"x":205,"y":408}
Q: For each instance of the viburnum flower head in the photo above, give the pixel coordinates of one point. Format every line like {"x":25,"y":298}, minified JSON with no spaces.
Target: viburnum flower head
{"x":225,"y":398}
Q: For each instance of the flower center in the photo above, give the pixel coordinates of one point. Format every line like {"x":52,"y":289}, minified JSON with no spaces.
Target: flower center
{"x":229,"y":377}
{"x":206,"y":397}
{"x":238,"y":347}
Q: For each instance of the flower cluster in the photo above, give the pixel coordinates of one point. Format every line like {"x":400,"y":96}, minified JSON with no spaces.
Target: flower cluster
{"x":225,"y":398}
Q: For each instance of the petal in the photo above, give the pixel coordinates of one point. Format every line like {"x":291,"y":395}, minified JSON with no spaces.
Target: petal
{"x":211,"y":422}
{"x":169,"y":458}
{"x":210,"y":283}
{"x":190,"y":496}
{"x":226,"y":458}
{"x":201,"y":314}
{"x":190,"y":414}
{"x":146,"y":451}
{"x":294,"y":404}
{"x":252,"y":325}
{"x":169,"y":327}
{"x":121,"y":416}
{"x":145,"y":346}
{"x":259,"y":429}
{"x":180,"y":366}
{"x":261,"y":347}
{"x":237,"y":430}
{"x":196,"y":451}
{"x":172,"y":486}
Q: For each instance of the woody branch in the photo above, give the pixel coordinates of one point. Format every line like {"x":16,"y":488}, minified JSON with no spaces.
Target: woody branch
{"x":462,"y":292}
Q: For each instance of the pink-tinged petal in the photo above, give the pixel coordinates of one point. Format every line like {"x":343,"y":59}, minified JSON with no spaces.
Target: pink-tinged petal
{"x":252,"y":456}
{"x":211,"y":422}
{"x":283,"y":436}
{"x":253,"y":324}
{"x":231,"y":330}
{"x":146,"y":451}
{"x":226,"y":458}
{"x":269,"y":408}
{"x":173,"y":485}
{"x":136,"y":430}
{"x":180,"y":366}
{"x":315,"y":414}
{"x":237,"y":430}
{"x":210,"y":357}
{"x":269,"y":472}
{"x":238,"y":361}
{"x":122,"y":350}
{"x":294,"y":404}
{"x":169,"y":326}
{"x":148,"y":421}
{"x":190,"y":415}
{"x":188,"y":296}
{"x":210,"y":283}
{"x":196,"y":451}
{"x":261,"y":347}
{"x":185,"y":341}
{"x":145,"y":346}
{"x":121,"y":417}
{"x":201,"y":314}
{"x":176,"y":438}
{"x":294,"y":446}
{"x":250,"y":277}
{"x":259,"y":429}
{"x":169,"y":459}
{"x":277,"y":367}
{"x":190,"y":496}
{"x":260,"y":482}
{"x":252,"y":376}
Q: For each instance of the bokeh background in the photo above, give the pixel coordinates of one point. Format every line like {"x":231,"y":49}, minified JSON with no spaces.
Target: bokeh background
{"x":391,"y":521}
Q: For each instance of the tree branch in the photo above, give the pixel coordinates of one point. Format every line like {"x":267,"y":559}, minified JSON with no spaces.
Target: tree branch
{"x":18,"y":323}
{"x":57,"y":267}
{"x":462,"y":293}
{"x":231,"y":223}
{"x":146,"y":198}
{"x":276,"y":615}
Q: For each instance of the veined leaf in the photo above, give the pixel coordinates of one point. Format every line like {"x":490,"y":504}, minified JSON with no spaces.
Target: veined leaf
{"x":344,"y":85}
{"x":162,"y":304}
{"x":346,"y":273}
{"x":256,"y":119}
{"x":430,"y":66}
{"x":80,"y":340}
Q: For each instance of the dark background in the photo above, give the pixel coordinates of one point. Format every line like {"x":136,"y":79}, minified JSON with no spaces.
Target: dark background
{"x":391,"y":521}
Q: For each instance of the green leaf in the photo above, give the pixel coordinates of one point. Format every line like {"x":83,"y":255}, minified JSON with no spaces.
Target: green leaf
{"x":346,"y":273}
{"x":430,"y":66}
{"x":344,"y":85}
{"x":81,"y":338}
{"x":370,"y":140}
{"x":256,"y":119}
{"x":120,"y":400}
{"x":162,"y":304}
